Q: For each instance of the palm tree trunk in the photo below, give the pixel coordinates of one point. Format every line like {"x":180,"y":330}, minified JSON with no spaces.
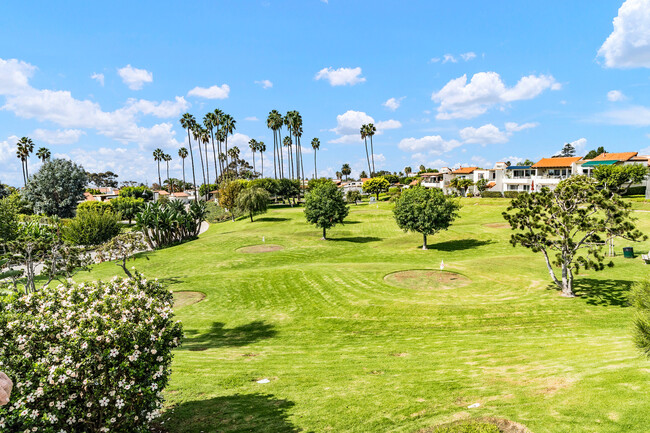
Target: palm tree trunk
{"x":183,"y":172}
{"x":281,"y":156}
{"x":226,"y":152}
{"x":253,"y":162}
{"x":262,"y":159}
{"x":372,"y":155}
{"x":275,"y":151}
{"x":171,"y":187}
{"x":159,"y":181}
{"x":214,"y":155}
{"x":367,"y":157}
{"x":207,"y":163}
{"x":196,"y":192}
{"x":201,"y":156}
{"x":22,"y":165}
{"x":315,"y":170}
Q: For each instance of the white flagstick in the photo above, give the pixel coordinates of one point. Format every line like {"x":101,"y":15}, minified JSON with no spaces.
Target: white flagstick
{"x":442,"y":268}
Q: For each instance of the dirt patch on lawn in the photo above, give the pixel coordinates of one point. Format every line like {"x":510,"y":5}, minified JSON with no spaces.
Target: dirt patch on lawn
{"x":427,"y":279}
{"x":183,"y":299}
{"x":497,"y":225}
{"x":254,"y":249}
{"x":504,"y":425}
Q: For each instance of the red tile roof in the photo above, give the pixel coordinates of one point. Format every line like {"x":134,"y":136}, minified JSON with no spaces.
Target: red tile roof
{"x":621,"y":156}
{"x":464,"y":170}
{"x":490,"y":184}
{"x":556,"y":162}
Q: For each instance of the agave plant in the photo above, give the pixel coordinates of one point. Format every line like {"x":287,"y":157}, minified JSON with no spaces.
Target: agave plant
{"x":168,"y":224}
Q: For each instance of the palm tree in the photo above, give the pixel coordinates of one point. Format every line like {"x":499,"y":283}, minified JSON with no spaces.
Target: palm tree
{"x":315,"y":144}
{"x":278,"y":122}
{"x":43,"y":154}
{"x":407,"y":171}
{"x":272,"y":124}
{"x":218,"y":115}
{"x":253,"y":145}
{"x":182,"y":153}
{"x":205,"y":138}
{"x":220,"y":136}
{"x":187,"y":122}
{"x":24,"y":148}
{"x":338,"y":175}
{"x":228,"y":125}
{"x":158,"y":155}
{"x":167,"y":158}
{"x":461,"y":184}
{"x":262,"y":148}
{"x":364,"y":135}
{"x":371,"y":130}
{"x":210,"y":120}
{"x":346,"y":170}
{"x":197,"y":133}
{"x":287,"y":144}
{"x":233,"y":153}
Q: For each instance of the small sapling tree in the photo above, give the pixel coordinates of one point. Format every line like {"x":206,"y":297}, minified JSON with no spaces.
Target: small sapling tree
{"x":325,"y":207}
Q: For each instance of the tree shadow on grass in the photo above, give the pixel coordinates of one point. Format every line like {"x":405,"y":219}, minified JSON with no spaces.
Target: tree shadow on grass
{"x":459,"y":244}
{"x":357,"y":239}
{"x":170,"y":281}
{"x":602,"y":292}
{"x":219,"y":336}
{"x":351,"y":222}
{"x":234,"y":413}
{"x":271,"y":219}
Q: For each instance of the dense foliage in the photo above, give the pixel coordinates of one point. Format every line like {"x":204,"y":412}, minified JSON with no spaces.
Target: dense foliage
{"x":90,"y":357}
{"x":164,"y":225}
{"x":137,"y":192}
{"x":571,"y":218}
{"x":253,"y":201}
{"x":127,"y":207}
{"x":376,"y":186}
{"x":640,"y":300}
{"x":57,"y":188}
{"x":425,"y":211}
{"x":619,"y":178}
{"x":325,"y":207}
{"x":353,"y":196}
{"x":92,"y":226}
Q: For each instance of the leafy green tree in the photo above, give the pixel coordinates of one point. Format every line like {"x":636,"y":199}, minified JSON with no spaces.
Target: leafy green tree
{"x":461,"y":184}
{"x":568,"y":220}
{"x":325,"y":207}
{"x":425,"y":211}
{"x":8,"y":223}
{"x":314,"y":183}
{"x":127,"y":207}
{"x":92,"y":227}
{"x":288,"y":189}
{"x":595,"y":152}
{"x":619,"y":178}
{"x":376,"y":186}
{"x":640,"y":300}
{"x":353,"y":196}
{"x":228,"y":194}
{"x":391,"y":178}
{"x":106,"y":179}
{"x":56,"y":188}
{"x":253,"y":201}
{"x":481,"y":184}
{"x":271,"y":185}
{"x":137,"y":192}
{"x":567,"y":150}
{"x":363,"y":174}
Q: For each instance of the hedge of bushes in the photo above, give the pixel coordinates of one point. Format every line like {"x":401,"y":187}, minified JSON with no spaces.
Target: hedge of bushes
{"x":491,"y":194}
{"x":91,"y":357}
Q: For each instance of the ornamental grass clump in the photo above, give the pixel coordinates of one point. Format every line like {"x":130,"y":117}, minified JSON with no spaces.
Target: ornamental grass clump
{"x":93,"y":357}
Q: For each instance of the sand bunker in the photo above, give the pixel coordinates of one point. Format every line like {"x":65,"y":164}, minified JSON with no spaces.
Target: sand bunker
{"x":183,"y":299}
{"x":254,"y":249}
{"x":497,"y":225}
{"x":427,"y":279}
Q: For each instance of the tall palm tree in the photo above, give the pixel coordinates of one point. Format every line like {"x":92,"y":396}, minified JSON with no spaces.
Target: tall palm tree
{"x":197,"y":133}
{"x":228,"y":125}
{"x":210,"y":121}
{"x":338,"y":175}
{"x":182,"y":153}
{"x":371,"y":130}
{"x":167,"y":157}
{"x":158,"y":155}
{"x":220,"y":136}
{"x":233,"y":153}
{"x":364,"y":135}
{"x":253,"y":145}
{"x":407,"y":171}
{"x":187,"y":122}
{"x":24,"y":148}
{"x":315,"y":144}
{"x":43,"y":154}
{"x":262,"y":148}
{"x":271,"y":122}
{"x":289,"y":123}
{"x":205,"y":138}
{"x":279,"y":121}
{"x":346,"y":170}
{"x":218,"y":115}
{"x":287,"y":144}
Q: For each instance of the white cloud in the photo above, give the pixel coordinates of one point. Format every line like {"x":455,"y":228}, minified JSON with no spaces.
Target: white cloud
{"x":449,"y":58}
{"x":635,"y":115}
{"x":59,"y":136}
{"x":460,"y":99}
{"x":615,"y":96}
{"x":164,"y":109}
{"x":135,"y":78}
{"x":8,"y":149}
{"x":14,"y":76}
{"x":266,"y":84}
{"x":98,"y":77}
{"x":387,"y":124}
{"x":468,"y":56}
{"x":434,"y":60}
{"x":212,"y":92}
{"x":482,"y":162}
{"x":393,"y":103}
{"x":251,"y":119}
{"x":341,"y":76}
{"x":486,"y":134}
{"x":580,"y":145}
{"x":645,"y":151}
{"x":431,"y":144}
{"x":628,"y":46}
{"x":513,"y":127}
{"x":349,"y":123}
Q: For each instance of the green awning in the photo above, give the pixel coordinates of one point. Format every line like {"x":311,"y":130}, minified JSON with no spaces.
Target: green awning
{"x":597,"y":163}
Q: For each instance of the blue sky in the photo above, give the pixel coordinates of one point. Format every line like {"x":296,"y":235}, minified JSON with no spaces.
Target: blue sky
{"x":463,"y":82}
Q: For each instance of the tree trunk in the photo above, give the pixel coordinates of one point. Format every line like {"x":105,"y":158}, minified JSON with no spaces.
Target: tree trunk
{"x":567,"y":278}
{"x":196,"y":192}
{"x":315,"y":170}
{"x":251,"y":216}
{"x":214,"y":155}
{"x":324,"y":234}
{"x":424,"y":241}
{"x":262,"y":160}
{"x":367,"y":157}
{"x":372,"y":155}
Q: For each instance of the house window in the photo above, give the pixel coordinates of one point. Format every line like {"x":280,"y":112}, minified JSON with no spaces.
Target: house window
{"x":513,"y":187}
{"x":526,"y":187}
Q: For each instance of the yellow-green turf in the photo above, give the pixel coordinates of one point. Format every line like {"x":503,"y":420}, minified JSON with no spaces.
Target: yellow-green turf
{"x":346,"y":352}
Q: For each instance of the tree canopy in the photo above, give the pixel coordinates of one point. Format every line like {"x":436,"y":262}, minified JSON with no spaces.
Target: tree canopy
{"x":325,"y":207}
{"x":56,"y":188}
{"x":595,"y":152}
{"x":376,"y":185}
{"x":619,"y":178}
{"x":568,"y":220}
{"x":253,"y":201}
{"x":425,"y":211}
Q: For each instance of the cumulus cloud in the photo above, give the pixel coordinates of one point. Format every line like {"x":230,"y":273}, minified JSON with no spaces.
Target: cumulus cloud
{"x":98,"y":77}
{"x":513,"y":127}
{"x":58,"y":136}
{"x":349,"y":123}
{"x":135,"y":78}
{"x":212,"y":92}
{"x":251,"y":119}
{"x":393,"y":103}
{"x":460,"y":99}
{"x":164,"y":109}
{"x":266,"y":84}
{"x":430,"y":144}
{"x":615,"y":96}
{"x":486,"y":134}
{"x":635,"y":115}
{"x":14,"y":76}
{"x":580,"y":145}
{"x":341,"y":76}
{"x":628,"y":46}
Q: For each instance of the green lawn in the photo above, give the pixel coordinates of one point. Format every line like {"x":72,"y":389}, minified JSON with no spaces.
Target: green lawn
{"x":346,"y":352}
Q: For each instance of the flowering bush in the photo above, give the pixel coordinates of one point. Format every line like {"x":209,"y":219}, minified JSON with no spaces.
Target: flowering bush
{"x":91,"y":357}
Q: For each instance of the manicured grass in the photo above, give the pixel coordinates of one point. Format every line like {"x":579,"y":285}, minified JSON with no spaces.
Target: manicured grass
{"x":346,"y":351}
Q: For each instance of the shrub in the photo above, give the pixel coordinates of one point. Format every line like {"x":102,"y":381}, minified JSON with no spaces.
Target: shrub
{"x":636,"y":190}
{"x":164,"y":225}
{"x":94,"y":206}
{"x":512,"y":194}
{"x":353,"y":196}
{"x":92,"y":228}
{"x":215,"y":213}
{"x":137,"y":191}
{"x":640,"y":299}
{"x":8,"y":222}
{"x":127,"y":207}
{"x":91,"y":357}
{"x":491,"y":194}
